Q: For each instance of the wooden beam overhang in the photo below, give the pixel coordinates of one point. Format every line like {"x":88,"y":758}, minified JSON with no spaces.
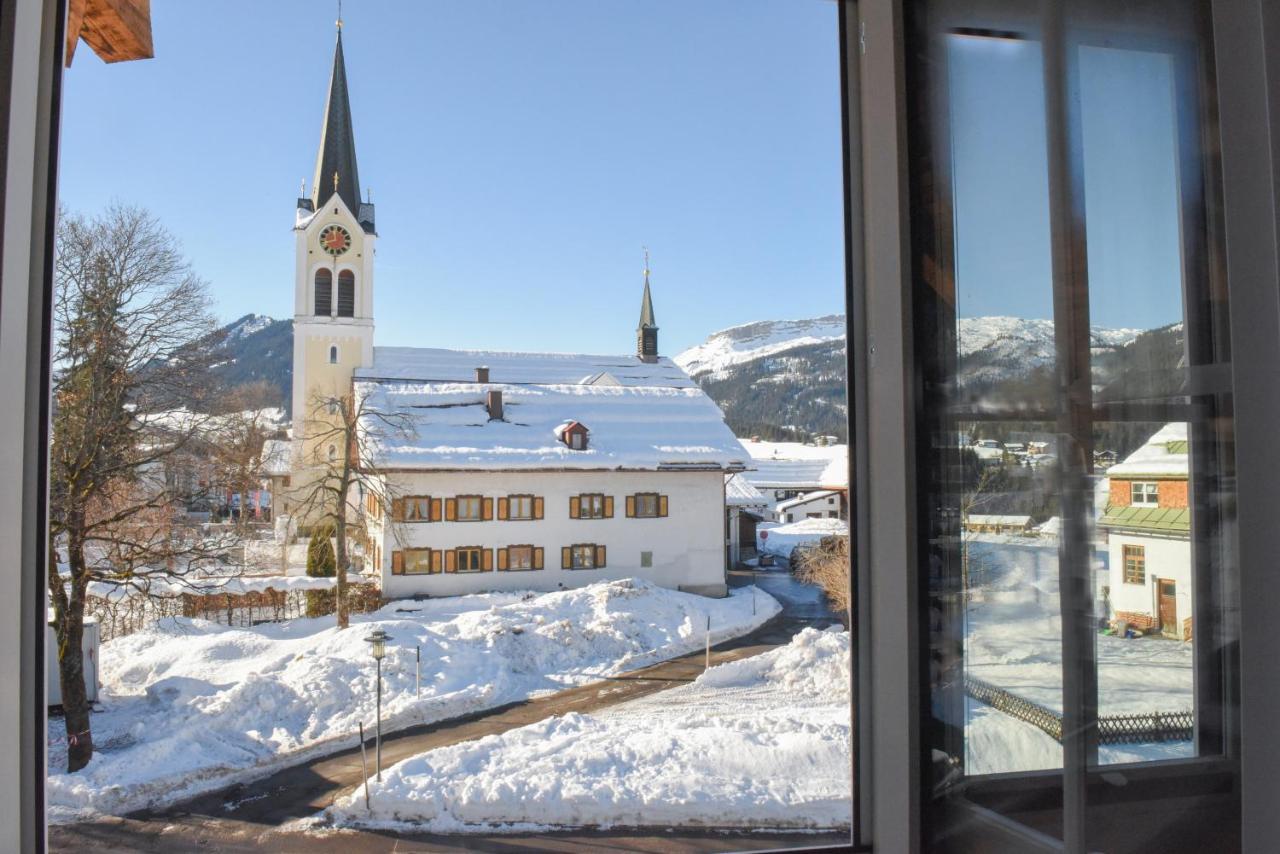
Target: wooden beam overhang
{"x":117,"y":30}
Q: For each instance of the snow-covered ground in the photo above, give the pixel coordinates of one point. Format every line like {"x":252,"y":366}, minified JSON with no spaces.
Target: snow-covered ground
{"x":189,"y":706}
{"x":780,"y":540}
{"x":1014,"y":641}
{"x":760,"y":742}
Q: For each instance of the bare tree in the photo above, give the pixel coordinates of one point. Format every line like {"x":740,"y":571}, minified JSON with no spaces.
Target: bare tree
{"x":240,"y":431}
{"x":133,"y":335}
{"x":341,"y":472}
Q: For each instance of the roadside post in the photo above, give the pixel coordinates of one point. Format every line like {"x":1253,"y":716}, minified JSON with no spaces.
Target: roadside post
{"x":364,"y":767}
{"x":418,"y":670}
{"x":707,"y":665}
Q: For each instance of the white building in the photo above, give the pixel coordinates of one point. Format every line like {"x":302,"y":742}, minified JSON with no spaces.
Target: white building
{"x":1148,"y":524}
{"x":506,"y":470}
{"x":745,"y":508}
{"x":821,"y":504}
{"x":782,"y":471}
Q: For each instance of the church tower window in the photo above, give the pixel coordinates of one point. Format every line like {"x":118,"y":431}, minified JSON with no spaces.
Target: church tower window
{"x":333,"y":354}
{"x":324,"y":292}
{"x":346,"y":294}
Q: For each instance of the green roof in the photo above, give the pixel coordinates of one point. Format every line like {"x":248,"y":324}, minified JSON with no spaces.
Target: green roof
{"x":1177,"y":446}
{"x":1161,"y":520}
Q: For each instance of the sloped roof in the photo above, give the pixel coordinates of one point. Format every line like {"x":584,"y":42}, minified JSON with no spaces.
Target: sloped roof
{"x":796,"y":465}
{"x":655,"y":418}
{"x":1163,"y":455}
{"x":430,"y":364}
{"x":738,"y":492}
{"x":277,"y":457}
{"x":337,"y":154}
{"x":1160,"y":520}
{"x":806,"y":498}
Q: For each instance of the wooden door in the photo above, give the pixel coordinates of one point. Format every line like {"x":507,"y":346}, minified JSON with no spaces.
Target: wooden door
{"x":1169,"y":607}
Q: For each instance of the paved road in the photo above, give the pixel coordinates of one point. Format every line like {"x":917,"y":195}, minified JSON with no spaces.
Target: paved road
{"x":256,"y":816}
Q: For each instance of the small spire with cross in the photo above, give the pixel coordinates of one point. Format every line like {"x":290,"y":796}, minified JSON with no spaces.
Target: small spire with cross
{"x":339,"y":21}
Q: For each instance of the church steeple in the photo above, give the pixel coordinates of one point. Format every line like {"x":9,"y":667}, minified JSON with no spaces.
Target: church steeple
{"x":647,"y":331}
{"x":337,"y":155}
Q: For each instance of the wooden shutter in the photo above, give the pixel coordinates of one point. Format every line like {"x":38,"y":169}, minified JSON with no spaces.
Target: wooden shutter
{"x":502,"y":558}
{"x":631,"y":507}
{"x":397,"y":509}
{"x":486,"y":558}
{"x":599,"y":556}
{"x":435,"y":560}
{"x":435,"y":510}
{"x":451,"y":560}
{"x":662,"y":505}
{"x":608,"y":507}
{"x":566,"y":558}
{"x":397,"y":563}
{"x":450,"y":509}
{"x":537,"y":558}
{"x":504,"y":508}
{"x":486,"y":509}
{"x":537,"y":508}
{"x":575,"y":507}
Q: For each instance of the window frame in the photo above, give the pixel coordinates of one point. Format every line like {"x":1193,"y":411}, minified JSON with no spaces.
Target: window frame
{"x":424,"y":552}
{"x":457,"y":508}
{"x":645,"y":497}
{"x":511,"y":551}
{"x":471,"y":551}
{"x":576,"y":549}
{"x":1134,"y":564}
{"x":511,"y":505}
{"x":598,"y":512}
{"x":1144,"y":493}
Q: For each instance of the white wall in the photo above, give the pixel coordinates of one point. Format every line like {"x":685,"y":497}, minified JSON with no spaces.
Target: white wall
{"x":1166,"y":558}
{"x":687,"y":544}
{"x":824,"y":504}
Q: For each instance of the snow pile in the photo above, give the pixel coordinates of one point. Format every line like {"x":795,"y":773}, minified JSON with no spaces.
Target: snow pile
{"x":782,"y":539}
{"x":761,"y":742}
{"x":1015,"y":642}
{"x":190,"y":706}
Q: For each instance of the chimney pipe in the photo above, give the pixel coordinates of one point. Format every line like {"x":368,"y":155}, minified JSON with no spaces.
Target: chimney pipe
{"x":493,"y":401}
{"x":482,"y":375}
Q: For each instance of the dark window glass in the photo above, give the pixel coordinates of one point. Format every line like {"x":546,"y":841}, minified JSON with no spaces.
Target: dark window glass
{"x":324,"y":292}
{"x":346,"y":294}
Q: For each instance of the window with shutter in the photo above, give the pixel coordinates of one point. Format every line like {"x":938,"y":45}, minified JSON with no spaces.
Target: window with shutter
{"x":470,"y":508}
{"x":584,"y":555}
{"x":469,"y":559}
{"x":435,"y":509}
{"x":417,"y":561}
{"x":590,"y":505}
{"x":646,"y":505}
{"x":520,"y":557}
{"x":397,"y":563}
{"x":520,"y":506}
{"x":537,"y":507}
{"x":486,"y":509}
{"x":450,"y":509}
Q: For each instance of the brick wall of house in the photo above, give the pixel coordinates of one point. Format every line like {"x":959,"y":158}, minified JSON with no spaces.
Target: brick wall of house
{"x":1137,"y":620}
{"x":1173,"y":493}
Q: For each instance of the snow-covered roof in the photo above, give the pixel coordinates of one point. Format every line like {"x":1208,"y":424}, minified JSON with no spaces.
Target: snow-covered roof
{"x":433,"y":365}
{"x":797,"y":465}
{"x":277,"y":457}
{"x":806,"y":498}
{"x":655,"y":417}
{"x":738,"y":492}
{"x":998,"y":519}
{"x":1163,"y":455}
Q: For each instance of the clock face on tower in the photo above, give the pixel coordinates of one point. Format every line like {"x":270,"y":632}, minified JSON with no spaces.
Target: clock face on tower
{"x":335,"y":240}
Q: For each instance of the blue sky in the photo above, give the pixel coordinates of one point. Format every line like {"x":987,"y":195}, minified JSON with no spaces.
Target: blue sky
{"x":519,"y":153}
{"x":1001,"y":183}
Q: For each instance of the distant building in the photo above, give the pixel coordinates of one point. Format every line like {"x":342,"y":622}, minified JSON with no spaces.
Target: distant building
{"x":745,"y":508}
{"x":820,"y":504}
{"x":1148,"y":524}
{"x":782,"y":471}
{"x":985,"y":523}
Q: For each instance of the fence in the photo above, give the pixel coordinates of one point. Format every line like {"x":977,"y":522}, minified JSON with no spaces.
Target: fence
{"x":123,"y":615}
{"x":1112,"y":729}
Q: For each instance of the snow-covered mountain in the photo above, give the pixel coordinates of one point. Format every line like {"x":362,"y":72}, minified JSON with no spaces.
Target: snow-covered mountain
{"x":782,"y":378}
{"x":751,"y":341}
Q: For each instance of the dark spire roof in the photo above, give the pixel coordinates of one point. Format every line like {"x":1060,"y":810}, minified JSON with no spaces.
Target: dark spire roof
{"x":646,"y":306}
{"x":337,"y":143}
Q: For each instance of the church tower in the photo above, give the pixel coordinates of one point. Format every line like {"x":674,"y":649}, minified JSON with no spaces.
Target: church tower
{"x":334,"y":238}
{"x":647,"y":331}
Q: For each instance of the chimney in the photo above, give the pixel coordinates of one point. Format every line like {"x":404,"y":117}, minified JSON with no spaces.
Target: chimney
{"x":493,"y":401}
{"x":482,"y":375}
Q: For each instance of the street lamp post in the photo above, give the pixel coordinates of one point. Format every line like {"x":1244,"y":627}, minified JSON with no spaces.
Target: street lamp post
{"x":378,"y":640}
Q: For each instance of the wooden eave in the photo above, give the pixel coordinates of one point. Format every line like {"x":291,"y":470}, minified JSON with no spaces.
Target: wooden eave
{"x":117,"y":30}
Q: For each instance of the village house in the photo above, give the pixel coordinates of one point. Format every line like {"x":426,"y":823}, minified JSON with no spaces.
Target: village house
{"x":782,"y":471}
{"x":820,"y":504}
{"x":1147,"y":520}
{"x":745,"y":508}
{"x":505,"y":470}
